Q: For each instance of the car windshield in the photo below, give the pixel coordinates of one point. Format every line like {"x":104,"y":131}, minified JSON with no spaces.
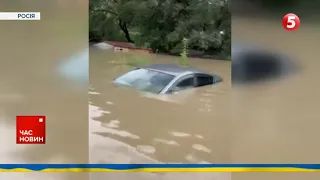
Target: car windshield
{"x":145,"y":80}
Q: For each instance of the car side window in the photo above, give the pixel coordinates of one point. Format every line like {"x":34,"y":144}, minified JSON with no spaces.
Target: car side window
{"x":203,"y":80}
{"x":184,"y":84}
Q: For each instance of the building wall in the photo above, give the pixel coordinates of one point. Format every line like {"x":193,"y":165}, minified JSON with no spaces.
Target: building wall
{"x":106,"y":46}
{"x":121,"y":49}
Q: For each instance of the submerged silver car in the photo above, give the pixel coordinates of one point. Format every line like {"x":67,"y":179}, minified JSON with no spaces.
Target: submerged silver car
{"x":166,"y":78}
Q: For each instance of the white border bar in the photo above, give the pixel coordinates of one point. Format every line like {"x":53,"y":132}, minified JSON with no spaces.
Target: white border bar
{"x":20,"y":16}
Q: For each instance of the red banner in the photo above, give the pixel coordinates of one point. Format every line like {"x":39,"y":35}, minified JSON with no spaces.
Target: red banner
{"x":31,"y":129}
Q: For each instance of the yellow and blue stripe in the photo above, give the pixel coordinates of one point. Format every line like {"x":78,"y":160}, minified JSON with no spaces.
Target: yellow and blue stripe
{"x":159,"y":167}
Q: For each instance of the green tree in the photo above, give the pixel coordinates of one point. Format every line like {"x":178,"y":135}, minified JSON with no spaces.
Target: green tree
{"x":162,"y":24}
{"x":110,"y":16}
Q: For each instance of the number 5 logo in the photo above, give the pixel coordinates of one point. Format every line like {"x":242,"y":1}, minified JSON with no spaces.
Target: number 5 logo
{"x":290,"y":22}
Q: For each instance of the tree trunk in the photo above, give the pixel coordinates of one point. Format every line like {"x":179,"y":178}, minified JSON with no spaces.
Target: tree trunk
{"x":123,"y":27}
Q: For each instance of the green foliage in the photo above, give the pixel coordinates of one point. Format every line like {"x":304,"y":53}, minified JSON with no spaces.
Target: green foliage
{"x":162,"y":24}
{"x":184,"y":53}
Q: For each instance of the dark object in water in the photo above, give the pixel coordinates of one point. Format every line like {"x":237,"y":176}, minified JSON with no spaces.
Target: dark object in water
{"x":250,"y":65}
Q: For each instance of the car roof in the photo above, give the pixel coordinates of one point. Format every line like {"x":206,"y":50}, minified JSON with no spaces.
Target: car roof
{"x":174,"y":69}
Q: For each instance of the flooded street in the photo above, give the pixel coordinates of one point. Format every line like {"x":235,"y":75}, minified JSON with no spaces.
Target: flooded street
{"x":264,"y":123}
{"x":274,"y":122}
{"x":145,"y":128}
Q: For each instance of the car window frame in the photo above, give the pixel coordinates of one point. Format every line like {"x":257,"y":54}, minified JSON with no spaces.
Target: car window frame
{"x":203,"y":74}
{"x":180,"y":79}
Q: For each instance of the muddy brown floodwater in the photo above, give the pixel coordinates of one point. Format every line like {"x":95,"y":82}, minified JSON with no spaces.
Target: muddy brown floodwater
{"x":278,"y":122}
{"x":274,"y":122}
{"x":184,"y":128}
{"x":30,"y":84}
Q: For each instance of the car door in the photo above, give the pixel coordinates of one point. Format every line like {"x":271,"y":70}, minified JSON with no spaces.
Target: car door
{"x":185,"y":82}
